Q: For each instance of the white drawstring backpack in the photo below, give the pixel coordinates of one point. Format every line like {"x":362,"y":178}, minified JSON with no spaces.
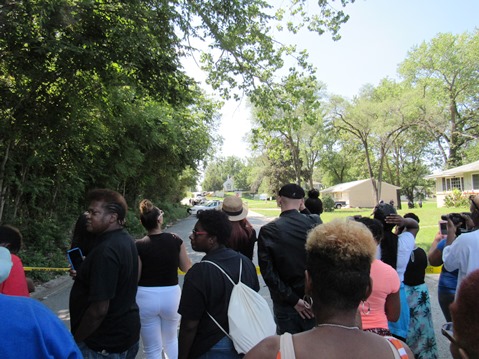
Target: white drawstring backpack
{"x":249,"y":317}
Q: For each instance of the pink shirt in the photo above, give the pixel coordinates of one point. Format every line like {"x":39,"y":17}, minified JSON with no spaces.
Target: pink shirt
{"x":385,"y":281}
{"x":16,"y":283}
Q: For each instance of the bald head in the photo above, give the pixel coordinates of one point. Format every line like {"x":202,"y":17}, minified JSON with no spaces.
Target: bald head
{"x":289,"y":203}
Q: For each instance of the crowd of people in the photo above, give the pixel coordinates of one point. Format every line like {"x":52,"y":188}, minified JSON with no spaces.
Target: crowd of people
{"x":349,"y":287}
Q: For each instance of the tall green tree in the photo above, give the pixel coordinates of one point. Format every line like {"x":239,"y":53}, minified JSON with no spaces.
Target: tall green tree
{"x":446,"y":72}
{"x":376,"y":118}
{"x":284,"y":115}
{"x":93,"y":94}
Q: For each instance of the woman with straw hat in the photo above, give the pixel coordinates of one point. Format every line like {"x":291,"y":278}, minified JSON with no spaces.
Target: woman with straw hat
{"x":243,"y":235}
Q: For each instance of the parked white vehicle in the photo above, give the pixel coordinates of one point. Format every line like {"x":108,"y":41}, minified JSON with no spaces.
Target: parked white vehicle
{"x":214,"y":204}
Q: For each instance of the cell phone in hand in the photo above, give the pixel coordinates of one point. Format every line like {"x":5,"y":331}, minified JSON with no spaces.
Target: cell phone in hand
{"x":75,"y":257}
{"x":443,"y":227}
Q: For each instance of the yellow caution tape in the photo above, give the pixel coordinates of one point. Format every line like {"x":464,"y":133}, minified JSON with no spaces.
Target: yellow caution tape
{"x":433,"y":270}
{"x":429,"y":270}
{"x":29,"y":269}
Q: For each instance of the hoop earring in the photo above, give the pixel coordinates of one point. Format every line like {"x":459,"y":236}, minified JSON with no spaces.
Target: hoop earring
{"x":362,"y":308}
{"x":308,"y":301}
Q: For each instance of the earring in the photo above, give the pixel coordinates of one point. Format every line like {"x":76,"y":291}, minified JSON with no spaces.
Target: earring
{"x":308,"y":301}
{"x":362,"y":308}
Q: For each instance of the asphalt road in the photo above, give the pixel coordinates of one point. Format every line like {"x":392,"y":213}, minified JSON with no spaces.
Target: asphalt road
{"x":55,"y":293}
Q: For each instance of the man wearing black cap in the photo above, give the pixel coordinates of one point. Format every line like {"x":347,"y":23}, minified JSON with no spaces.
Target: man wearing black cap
{"x":282,"y":260}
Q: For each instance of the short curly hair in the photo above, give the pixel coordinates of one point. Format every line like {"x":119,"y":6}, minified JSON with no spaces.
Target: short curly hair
{"x":217,"y":224}
{"x":465,"y":314}
{"x":11,"y":238}
{"x":339,"y":257}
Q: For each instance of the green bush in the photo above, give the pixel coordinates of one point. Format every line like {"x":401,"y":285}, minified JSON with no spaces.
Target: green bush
{"x":328,"y":204}
{"x":456,"y":199}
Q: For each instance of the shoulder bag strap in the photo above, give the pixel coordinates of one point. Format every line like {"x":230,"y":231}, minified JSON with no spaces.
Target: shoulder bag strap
{"x":221,"y":269}
{"x":231,"y":280}
{"x":286,"y":346}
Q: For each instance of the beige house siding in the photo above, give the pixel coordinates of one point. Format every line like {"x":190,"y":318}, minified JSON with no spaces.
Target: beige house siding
{"x":465,"y":177}
{"x":360,"y":193}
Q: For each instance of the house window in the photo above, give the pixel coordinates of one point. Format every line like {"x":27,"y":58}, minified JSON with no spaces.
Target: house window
{"x":475,"y":182}
{"x":448,"y":184}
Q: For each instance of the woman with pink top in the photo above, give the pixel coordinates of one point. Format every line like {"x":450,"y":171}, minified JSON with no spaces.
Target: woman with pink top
{"x":383,"y":304}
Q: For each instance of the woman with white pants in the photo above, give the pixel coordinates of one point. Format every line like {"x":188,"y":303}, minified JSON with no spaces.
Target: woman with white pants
{"x":158,"y":297}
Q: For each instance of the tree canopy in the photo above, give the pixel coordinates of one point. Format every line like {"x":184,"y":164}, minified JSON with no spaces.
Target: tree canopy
{"x":94,"y":95}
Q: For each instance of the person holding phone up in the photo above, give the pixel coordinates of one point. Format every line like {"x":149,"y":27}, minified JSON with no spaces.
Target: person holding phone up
{"x":446,"y":288}
{"x":462,"y":253}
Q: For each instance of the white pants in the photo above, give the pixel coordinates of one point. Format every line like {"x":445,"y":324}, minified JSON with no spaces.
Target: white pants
{"x":159,"y":320}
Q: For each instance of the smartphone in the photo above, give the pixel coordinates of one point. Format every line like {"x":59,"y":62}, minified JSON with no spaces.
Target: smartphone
{"x":75,"y":257}
{"x":443,"y":227}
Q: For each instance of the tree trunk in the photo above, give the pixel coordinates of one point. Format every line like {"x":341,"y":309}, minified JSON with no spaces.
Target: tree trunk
{"x":3,"y":186}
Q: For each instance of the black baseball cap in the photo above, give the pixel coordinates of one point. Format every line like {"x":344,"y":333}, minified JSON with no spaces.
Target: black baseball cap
{"x":291,"y":190}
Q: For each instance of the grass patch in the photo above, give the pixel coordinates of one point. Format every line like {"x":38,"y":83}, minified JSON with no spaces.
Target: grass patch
{"x":429,"y":216}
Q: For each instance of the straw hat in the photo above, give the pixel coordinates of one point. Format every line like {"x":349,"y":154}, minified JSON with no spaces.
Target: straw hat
{"x":5,"y":263}
{"x":234,"y":208}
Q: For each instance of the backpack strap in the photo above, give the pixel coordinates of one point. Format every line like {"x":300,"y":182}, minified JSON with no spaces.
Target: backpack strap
{"x":221,"y":269}
{"x":231,"y":280}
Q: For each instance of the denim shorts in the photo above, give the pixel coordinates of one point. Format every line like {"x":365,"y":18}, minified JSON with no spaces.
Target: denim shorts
{"x":93,"y":354}
{"x":223,"y":349}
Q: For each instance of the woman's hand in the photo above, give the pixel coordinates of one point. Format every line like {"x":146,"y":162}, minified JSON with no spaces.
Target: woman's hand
{"x":304,"y":309}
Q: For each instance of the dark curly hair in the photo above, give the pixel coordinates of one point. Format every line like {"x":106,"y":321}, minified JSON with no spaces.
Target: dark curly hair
{"x":339,"y":257}
{"x":217,"y":224}
{"x":313,"y":193}
{"x":374,"y":226}
{"x":11,"y":238}
{"x":381,"y":211}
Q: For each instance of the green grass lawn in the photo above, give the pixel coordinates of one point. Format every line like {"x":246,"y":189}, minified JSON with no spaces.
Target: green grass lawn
{"x":429,"y":216}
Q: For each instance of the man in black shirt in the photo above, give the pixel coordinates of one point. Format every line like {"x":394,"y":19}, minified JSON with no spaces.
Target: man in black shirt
{"x":104,"y":315}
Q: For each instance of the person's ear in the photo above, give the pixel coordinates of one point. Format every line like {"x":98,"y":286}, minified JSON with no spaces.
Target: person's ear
{"x":308,"y":285}
{"x":113,"y":218}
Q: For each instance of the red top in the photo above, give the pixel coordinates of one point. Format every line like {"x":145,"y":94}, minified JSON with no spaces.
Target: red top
{"x":16,"y":283}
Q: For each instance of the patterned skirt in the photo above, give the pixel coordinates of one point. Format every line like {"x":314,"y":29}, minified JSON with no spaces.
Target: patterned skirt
{"x":420,"y":337}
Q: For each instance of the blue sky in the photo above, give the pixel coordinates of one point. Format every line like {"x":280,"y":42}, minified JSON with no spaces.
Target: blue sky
{"x":374,"y":41}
